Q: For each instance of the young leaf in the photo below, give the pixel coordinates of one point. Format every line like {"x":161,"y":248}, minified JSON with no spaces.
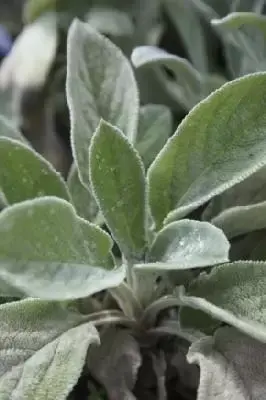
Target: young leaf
{"x":233,"y":293}
{"x":43,"y":349}
{"x":24,"y":174}
{"x":232,"y":365}
{"x":118,"y":182}
{"x":100,"y":84}
{"x":117,"y":348}
{"x":82,"y":197}
{"x":221,"y":142}
{"x":155,"y":125}
{"x":188,"y":244}
{"x":47,"y":251}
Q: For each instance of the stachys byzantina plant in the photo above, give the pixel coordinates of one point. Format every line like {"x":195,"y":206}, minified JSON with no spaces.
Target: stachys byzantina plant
{"x":73,"y":307}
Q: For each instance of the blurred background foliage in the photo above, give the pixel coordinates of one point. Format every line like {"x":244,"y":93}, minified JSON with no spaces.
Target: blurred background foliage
{"x":181,"y":51}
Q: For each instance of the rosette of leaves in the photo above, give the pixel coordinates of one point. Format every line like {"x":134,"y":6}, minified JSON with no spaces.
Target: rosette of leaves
{"x":72,"y":312}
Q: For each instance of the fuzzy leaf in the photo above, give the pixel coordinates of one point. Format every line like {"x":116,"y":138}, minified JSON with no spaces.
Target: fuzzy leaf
{"x":248,"y":192}
{"x":236,"y":20}
{"x":155,"y":125}
{"x":245,"y":32}
{"x":187,"y":87}
{"x":82,"y":197}
{"x":189,"y":244}
{"x":24,"y":174}
{"x":240,"y":210}
{"x":42,"y":350}
{"x":47,"y":251}
{"x":117,"y":348}
{"x":233,"y":293}
{"x":100,"y":85}
{"x":238,"y":221}
{"x":221,"y":142}
{"x":118,"y":182}
{"x":233,"y":366}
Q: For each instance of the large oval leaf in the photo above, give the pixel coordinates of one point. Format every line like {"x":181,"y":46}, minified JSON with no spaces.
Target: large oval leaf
{"x":220,"y":142}
{"x":47,"y":251}
{"x":118,"y":182}
{"x":24,"y":174}
{"x":100,"y":84}
{"x":43,"y":349}
{"x":232,"y":365}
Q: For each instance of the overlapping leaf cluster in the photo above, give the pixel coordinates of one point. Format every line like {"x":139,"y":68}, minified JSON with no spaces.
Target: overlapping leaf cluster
{"x":73,"y":306}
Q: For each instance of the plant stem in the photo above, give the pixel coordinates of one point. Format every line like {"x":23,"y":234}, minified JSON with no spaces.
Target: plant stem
{"x":173,"y":328}
{"x":150,"y":314}
{"x":127,"y":301}
{"x":110,"y":317}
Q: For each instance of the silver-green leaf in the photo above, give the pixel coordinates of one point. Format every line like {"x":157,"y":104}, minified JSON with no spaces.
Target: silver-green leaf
{"x":24,"y":174}
{"x":188,"y":244}
{"x":100,"y":85}
{"x":188,"y":86}
{"x":155,"y":125}
{"x":117,"y":348}
{"x":81,"y":196}
{"x":43,"y":350}
{"x":118,"y":182}
{"x":47,"y":251}
{"x":232,"y":365}
{"x":233,"y":293}
{"x":239,"y":220}
{"x":221,"y":142}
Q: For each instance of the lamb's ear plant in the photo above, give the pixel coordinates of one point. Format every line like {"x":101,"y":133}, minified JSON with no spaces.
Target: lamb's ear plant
{"x":71,"y":307}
